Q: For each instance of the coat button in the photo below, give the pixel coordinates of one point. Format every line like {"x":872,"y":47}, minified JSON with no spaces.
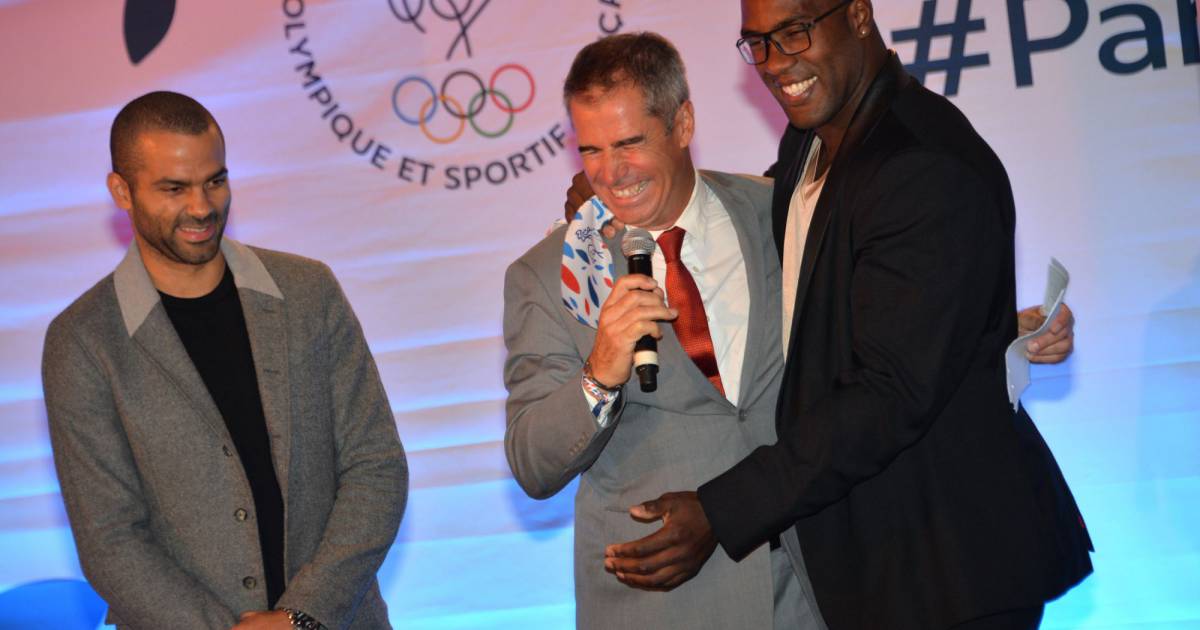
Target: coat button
{"x":228,"y":453}
{"x":249,"y":582}
{"x":240,"y":514}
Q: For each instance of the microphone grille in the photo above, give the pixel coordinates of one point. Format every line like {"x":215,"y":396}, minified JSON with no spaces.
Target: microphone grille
{"x":637,"y":242}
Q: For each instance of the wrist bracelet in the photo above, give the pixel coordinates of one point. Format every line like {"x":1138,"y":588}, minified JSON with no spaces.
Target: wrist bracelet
{"x":587,"y":374}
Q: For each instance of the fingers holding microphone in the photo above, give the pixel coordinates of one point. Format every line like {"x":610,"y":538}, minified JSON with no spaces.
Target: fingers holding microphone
{"x":632,"y":311}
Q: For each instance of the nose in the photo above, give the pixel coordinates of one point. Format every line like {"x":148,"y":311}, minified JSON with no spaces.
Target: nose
{"x":206,"y":199}
{"x":775,"y":64}
{"x":199,"y":204}
{"x":612,"y":168}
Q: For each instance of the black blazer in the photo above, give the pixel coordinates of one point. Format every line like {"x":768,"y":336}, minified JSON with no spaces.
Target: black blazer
{"x":920,"y":498}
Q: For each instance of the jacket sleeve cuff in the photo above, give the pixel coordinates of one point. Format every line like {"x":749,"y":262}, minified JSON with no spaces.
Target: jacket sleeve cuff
{"x":738,"y":511}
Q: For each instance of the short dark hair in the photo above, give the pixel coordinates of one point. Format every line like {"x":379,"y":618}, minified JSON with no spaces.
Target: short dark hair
{"x":644,"y":60}
{"x":163,"y":111}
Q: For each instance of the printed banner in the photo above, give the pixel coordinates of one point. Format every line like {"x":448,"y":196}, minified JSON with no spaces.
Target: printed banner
{"x":419,"y":146}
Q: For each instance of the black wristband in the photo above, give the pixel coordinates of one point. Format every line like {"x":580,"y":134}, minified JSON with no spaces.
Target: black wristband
{"x":587,"y":373}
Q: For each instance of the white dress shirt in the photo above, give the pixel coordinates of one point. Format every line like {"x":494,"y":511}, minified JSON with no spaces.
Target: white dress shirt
{"x":712,"y":254}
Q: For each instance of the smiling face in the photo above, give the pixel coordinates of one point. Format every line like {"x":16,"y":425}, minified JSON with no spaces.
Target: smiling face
{"x":177,"y":197}
{"x":818,"y":86}
{"x":641,"y":170}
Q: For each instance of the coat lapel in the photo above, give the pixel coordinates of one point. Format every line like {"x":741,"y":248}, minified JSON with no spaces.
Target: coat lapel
{"x":264,"y":309}
{"x":876,"y":101}
{"x":670,"y":353}
{"x":267,"y":329}
{"x":813,"y":241}
{"x":781,"y":199}
{"x":151,"y":330}
{"x":749,"y":240}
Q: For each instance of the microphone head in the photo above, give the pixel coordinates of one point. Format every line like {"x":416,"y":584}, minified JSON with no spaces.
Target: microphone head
{"x":637,"y":242}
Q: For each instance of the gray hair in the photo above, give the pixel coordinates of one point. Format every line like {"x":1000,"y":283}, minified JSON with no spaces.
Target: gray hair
{"x":644,"y":60}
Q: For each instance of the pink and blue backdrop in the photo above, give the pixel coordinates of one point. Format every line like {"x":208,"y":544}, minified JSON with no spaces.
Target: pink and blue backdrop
{"x":337,"y":151}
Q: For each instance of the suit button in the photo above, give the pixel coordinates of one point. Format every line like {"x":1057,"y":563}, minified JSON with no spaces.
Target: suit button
{"x":228,"y":453}
{"x":240,"y":514}
{"x":249,"y":582}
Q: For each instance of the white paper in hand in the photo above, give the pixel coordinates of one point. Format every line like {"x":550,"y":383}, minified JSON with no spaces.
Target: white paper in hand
{"x":1015,"y":358}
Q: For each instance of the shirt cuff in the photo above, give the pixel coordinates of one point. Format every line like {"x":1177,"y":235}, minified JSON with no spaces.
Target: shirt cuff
{"x":600,"y":402}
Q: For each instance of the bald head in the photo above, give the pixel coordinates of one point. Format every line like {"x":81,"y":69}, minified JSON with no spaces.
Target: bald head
{"x":156,"y":111}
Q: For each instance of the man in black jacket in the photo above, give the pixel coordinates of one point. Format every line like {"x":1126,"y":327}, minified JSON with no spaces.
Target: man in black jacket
{"x":920,"y":499}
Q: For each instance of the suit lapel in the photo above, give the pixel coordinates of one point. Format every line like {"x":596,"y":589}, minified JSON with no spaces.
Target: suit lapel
{"x":265,"y":312}
{"x":813,"y":241}
{"x":749,"y":238}
{"x":670,"y":353}
{"x":151,"y":329}
{"x":781,"y":199}
{"x":875,"y":102}
{"x":158,"y":340}
{"x":266,"y":326}
{"x":153,"y":333}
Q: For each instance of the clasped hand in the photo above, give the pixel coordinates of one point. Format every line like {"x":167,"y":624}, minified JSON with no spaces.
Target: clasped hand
{"x":670,"y":556}
{"x":264,"y":620}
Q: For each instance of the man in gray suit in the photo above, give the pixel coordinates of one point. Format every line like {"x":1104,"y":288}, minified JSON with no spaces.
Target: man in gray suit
{"x":570,"y":410}
{"x":224,"y":445}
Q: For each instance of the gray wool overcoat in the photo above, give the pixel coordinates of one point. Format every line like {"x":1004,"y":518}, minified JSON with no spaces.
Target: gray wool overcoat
{"x":159,"y":505}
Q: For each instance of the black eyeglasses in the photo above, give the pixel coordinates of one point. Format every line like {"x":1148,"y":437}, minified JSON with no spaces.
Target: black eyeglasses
{"x":789,"y":39}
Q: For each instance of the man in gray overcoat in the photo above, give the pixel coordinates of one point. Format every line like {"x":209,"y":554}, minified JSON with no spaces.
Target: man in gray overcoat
{"x":225,"y":449}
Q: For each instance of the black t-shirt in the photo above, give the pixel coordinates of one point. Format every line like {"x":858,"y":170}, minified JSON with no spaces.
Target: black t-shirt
{"x":213,"y":331}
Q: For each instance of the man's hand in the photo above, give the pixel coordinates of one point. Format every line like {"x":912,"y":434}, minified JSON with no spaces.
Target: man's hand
{"x":1057,"y":343}
{"x":632,"y":310}
{"x":670,"y":556}
{"x":579,"y":192}
{"x":263,"y":620}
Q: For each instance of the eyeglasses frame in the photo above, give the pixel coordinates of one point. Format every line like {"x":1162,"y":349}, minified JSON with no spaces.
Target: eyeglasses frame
{"x":768,"y":36}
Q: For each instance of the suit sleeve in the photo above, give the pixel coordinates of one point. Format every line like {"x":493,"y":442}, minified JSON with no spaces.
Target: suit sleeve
{"x":551,"y":435}
{"x":372,"y":477}
{"x":102,"y":490}
{"x":927,"y":237}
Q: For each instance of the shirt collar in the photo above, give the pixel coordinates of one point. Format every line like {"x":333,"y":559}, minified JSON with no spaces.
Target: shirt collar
{"x":137,"y":296}
{"x":695,"y":216}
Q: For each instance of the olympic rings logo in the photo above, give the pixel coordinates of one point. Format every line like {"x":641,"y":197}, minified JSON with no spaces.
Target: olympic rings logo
{"x":441,"y":100}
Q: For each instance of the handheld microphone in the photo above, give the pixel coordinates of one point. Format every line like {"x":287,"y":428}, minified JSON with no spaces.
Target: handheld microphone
{"x":638,"y":245}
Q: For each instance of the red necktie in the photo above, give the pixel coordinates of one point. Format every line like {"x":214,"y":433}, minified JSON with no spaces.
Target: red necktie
{"x":692,"y":324}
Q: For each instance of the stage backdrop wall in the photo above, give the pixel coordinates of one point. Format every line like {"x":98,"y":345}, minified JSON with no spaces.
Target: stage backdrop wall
{"x":337,"y":151}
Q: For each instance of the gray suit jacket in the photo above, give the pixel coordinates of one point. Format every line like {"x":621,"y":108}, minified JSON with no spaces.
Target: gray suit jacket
{"x":676,"y":438}
{"x":150,"y":476}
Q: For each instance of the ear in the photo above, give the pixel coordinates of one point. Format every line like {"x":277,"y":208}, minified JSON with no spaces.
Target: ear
{"x":119,"y":189}
{"x":685,"y":124}
{"x":862,"y":18}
